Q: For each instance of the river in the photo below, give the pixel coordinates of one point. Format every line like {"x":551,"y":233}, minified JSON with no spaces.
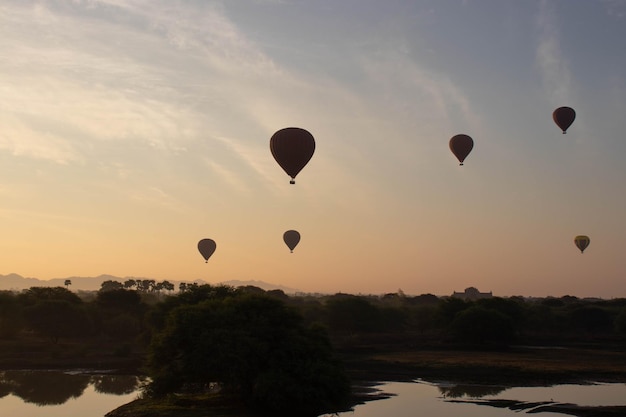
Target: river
{"x":62,"y":394}
{"x":447,"y":399}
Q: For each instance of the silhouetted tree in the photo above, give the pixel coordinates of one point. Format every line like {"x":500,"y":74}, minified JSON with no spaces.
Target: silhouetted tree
{"x":258,"y":350}
{"x":120,"y":313}
{"x":130,"y":283}
{"x":119,"y":300}
{"x":480,"y":325}
{"x":591,"y":320}
{"x":448,"y":309}
{"x":110,"y":285}
{"x":10,"y":315}
{"x":36,"y":294}
{"x":351,"y":314}
{"x":58,"y":318}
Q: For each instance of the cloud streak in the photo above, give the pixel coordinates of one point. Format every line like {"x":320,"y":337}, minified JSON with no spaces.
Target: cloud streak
{"x":552,"y":65}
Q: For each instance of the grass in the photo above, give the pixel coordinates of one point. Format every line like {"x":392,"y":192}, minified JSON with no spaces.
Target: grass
{"x":519,"y":365}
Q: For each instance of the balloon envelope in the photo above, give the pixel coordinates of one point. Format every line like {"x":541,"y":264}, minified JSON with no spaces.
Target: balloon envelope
{"x":291,"y":238}
{"x":582,"y":242}
{"x":206,"y":248}
{"x":564,"y":117}
{"x":461,"y":146}
{"x":292,"y":148}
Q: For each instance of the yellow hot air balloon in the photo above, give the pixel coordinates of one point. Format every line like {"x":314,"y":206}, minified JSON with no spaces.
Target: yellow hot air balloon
{"x":581,"y":242}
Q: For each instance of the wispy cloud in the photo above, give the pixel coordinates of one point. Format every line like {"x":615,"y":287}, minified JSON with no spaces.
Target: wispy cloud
{"x":415,"y":96}
{"x":552,"y":64}
{"x":129,"y":71}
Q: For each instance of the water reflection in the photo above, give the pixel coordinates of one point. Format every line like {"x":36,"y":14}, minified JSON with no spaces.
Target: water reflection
{"x":45,"y":388}
{"x":471,"y":391}
{"x":449,"y":399}
{"x":115,"y":384}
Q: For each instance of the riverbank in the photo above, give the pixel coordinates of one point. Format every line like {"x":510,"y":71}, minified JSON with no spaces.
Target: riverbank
{"x":35,"y":353}
{"x":519,"y":365}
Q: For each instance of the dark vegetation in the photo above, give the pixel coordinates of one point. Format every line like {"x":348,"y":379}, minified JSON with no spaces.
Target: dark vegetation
{"x":296,"y":354}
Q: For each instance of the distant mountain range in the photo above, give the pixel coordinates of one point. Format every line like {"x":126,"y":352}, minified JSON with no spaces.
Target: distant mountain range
{"x":17,"y":282}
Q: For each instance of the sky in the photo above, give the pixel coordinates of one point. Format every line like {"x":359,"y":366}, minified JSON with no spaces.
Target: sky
{"x":131,"y":129}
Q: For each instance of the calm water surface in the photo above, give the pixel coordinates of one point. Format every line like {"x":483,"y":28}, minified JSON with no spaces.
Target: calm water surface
{"x":63,"y":394}
{"x":442,"y":399}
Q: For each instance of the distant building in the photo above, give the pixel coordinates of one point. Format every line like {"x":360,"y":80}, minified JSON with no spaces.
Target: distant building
{"x":471,"y":294}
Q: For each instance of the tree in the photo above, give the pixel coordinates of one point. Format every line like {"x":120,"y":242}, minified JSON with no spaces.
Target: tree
{"x":35,"y":294}
{"x":58,"y":318}
{"x":479,"y":325}
{"x":591,"y":320}
{"x":110,"y":285}
{"x":146,"y":285}
{"x":449,"y":308}
{"x":349,"y":313}
{"x":130,"y":283}
{"x":120,"y":313}
{"x":119,"y":300}
{"x":10,"y":315}
{"x":68,"y":282}
{"x":256,"y":348}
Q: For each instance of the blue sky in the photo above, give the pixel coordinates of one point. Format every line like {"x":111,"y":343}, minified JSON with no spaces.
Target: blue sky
{"x":131,"y":129}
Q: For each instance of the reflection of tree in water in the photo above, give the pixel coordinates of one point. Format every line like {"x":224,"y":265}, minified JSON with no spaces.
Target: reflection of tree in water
{"x":115,"y":384}
{"x":44,"y":388}
{"x":472,"y":391}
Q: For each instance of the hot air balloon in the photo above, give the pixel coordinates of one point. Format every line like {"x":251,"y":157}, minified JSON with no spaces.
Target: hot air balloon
{"x":461,"y":146}
{"x":206,"y":248}
{"x":291,"y":238}
{"x":582,"y":242}
{"x":292,"y":148}
{"x":564,"y":117}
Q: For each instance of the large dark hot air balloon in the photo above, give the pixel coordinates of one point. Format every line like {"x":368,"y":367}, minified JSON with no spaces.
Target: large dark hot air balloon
{"x":291,"y":238}
{"x":564,"y":117}
{"x":206,"y":248}
{"x":582,"y":242}
{"x":461,"y":146}
{"x":292,"y":148}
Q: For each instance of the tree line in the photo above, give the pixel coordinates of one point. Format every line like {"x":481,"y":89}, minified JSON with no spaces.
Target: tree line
{"x":122,"y":311}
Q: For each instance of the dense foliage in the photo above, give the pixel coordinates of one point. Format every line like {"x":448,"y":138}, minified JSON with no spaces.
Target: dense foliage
{"x":255,"y":347}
